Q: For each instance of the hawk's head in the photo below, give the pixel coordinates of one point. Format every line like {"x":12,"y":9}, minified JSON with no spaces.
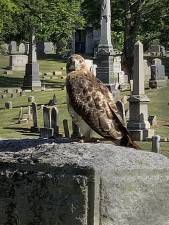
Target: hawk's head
{"x":75,"y":62}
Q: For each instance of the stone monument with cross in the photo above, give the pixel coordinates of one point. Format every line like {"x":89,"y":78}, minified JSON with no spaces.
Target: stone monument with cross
{"x":32,"y":78}
{"x":104,"y":58}
{"x":138,"y":123}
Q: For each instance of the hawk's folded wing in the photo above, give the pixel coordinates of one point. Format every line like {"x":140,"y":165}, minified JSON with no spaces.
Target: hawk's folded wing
{"x":94,"y":103}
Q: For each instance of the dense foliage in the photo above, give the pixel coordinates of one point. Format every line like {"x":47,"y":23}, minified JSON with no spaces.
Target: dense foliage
{"x":53,"y":20}
{"x":57,"y":20}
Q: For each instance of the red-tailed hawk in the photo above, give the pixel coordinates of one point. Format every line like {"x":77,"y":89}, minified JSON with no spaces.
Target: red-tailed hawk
{"x":91,"y":104}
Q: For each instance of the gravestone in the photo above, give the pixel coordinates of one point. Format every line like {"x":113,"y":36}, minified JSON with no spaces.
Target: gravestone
{"x":119,"y":75}
{"x":138,"y":124}
{"x":12,"y":95}
{"x":27,"y":48}
{"x":47,"y":131}
{"x":156,"y":144}
{"x":8,"y":72}
{"x":32,"y":78}
{"x":66,"y":128}
{"x":22,"y":48}
{"x":12,"y":47}
{"x":162,"y":51}
{"x":34,"y":128}
{"x":23,"y":93}
{"x":8,"y":105}
{"x":53,"y":101}
{"x":54,"y":120}
{"x":147,"y":70}
{"x":31,"y":99}
{"x":152,"y":120}
{"x":49,"y":48}
{"x":89,"y":41}
{"x":29,"y":113}
{"x":5,"y":48}
{"x":88,"y":63}
{"x":20,"y":114}
{"x":93,"y":69}
{"x":90,"y":66}
{"x":104,"y":58}
{"x":121,"y":109}
{"x":3,"y":96}
{"x":40,"y":49}
{"x":47,"y":116}
{"x":18,"y":62}
{"x":158,"y":78}
{"x":76,"y":131}
{"x":9,"y":91}
{"x":155,"y":50}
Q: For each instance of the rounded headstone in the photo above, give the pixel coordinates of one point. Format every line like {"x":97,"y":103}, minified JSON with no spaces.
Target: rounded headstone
{"x":31,"y":99}
{"x":8,"y":105}
{"x":156,"y":143}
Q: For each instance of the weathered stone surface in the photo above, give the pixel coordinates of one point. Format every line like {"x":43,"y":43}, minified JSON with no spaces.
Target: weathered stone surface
{"x":138,"y":124}
{"x":81,"y":184}
{"x":18,"y":62}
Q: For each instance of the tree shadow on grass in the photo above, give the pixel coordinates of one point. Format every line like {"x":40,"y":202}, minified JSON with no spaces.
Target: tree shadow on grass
{"x":23,"y":131}
{"x":10,"y":81}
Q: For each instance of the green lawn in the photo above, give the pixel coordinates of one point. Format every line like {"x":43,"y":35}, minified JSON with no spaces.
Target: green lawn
{"x":9,"y":127}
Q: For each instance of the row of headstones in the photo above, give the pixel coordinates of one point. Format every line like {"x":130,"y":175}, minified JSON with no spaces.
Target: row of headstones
{"x":13,"y":94}
{"x":50,"y":121}
{"x":51,"y":128}
{"x":23,"y":48}
{"x":157,"y":50}
{"x":155,"y":73}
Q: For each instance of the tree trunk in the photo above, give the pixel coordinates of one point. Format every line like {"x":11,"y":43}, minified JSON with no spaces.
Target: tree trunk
{"x":132,"y":23}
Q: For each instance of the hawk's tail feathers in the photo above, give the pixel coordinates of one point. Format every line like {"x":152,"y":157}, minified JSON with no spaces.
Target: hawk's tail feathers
{"x":127,"y":142}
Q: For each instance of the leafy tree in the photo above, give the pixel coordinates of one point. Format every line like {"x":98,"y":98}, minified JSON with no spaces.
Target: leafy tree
{"x":53,"y":20}
{"x":6,"y":8}
{"x":132,"y":20}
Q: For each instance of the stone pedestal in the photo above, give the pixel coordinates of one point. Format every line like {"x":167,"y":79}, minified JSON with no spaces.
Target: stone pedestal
{"x":158,"y":78}
{"x":105,"y":68}
{"x":46,"y":133}
{"x":138,"y":124}
{"x":31,"y":78}
{"x":104,"y":59}
{"x":17,"y":62}
{"x":48,"y":183}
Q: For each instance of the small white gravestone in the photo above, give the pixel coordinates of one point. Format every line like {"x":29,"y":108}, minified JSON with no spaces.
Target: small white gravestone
{"x":22,"y":48}
{"x":12,"y":47}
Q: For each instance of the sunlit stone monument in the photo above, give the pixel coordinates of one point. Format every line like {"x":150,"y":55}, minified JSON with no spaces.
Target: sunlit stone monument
{"x":32,"y":78}
{"x":138,"y":123}
{"x":104,"y":59}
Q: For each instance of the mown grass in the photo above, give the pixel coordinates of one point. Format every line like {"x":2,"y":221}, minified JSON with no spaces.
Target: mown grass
{"x":9,"y":127}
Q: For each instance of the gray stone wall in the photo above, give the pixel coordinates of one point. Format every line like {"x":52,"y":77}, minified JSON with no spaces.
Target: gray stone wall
{"x":81,"y":184}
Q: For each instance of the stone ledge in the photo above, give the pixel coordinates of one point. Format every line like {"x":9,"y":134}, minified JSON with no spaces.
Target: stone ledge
{"x":84,"y":184}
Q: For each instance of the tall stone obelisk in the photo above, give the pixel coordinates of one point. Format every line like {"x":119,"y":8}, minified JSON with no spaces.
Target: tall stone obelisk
{"x":32,"y":78}
{"x":138,"y":123}
{"x":104,"y":59}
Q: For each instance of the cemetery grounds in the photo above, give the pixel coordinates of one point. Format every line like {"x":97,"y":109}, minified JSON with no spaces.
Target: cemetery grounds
{"x":10,"y":128}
